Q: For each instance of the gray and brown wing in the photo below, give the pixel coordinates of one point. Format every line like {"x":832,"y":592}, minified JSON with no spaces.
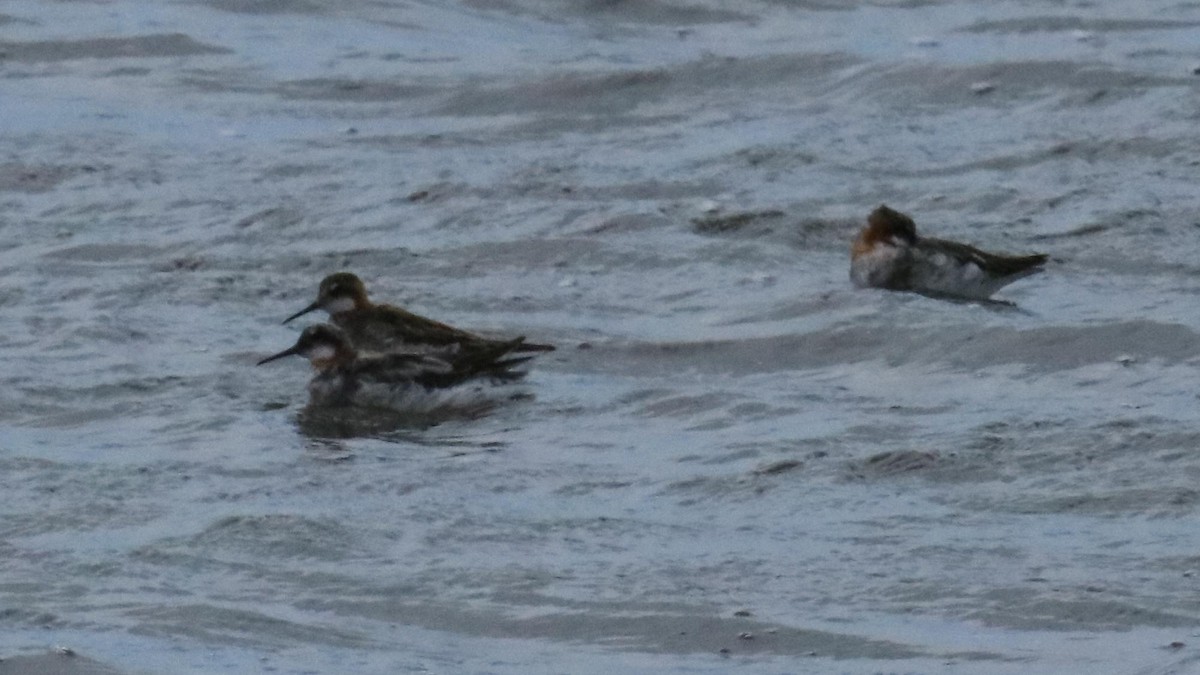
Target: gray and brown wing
{"x":494,"y":360}
{"x":385,"y":327}
{"x":994,"y":264}
{"x":439,"y":371}
{"x":403,"y":369}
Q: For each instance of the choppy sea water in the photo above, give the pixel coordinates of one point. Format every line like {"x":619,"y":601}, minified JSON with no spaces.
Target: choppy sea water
{"x":734,"y":460}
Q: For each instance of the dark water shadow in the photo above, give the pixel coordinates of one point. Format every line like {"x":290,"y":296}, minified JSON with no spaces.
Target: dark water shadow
{"x":332,"y":424}
{"x":990,"y":304}
{"x":326,"y":427}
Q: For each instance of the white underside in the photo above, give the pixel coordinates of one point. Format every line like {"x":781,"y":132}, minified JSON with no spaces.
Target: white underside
{"x":872,"y":270}
{"x":418,"y":399}
{"x":411,"y":398}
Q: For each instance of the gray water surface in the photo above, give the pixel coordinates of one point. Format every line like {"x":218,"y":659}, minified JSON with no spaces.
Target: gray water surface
{"x":734,"y":461}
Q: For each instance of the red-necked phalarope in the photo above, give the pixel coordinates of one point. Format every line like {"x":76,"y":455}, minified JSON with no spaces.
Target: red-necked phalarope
{"x":384,"y":328}
{"x":397,"y":381}
{"x":888,"y":254}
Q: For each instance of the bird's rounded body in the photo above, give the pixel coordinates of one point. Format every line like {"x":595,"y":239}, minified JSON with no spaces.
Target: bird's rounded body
{"x":386,"y":328}
{"x":888,"y":254}
{"x":403,"y":382}
{"x":339,"y":389}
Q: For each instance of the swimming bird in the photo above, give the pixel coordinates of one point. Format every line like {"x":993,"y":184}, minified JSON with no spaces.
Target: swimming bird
{"x":384,"y":328}
{"x":888,"y":253}
{"x":398,"y":381}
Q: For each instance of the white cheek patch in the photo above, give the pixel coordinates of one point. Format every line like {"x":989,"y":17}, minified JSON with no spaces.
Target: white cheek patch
{"x":339,"y":305}
{"x":321,"y":353}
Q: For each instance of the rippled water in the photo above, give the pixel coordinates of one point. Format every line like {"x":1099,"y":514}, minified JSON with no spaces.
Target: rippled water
{"x":734,"y":459}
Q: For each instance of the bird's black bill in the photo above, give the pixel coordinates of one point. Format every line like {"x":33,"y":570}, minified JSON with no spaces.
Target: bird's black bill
{"x":302,"y":312}
{"x":280,"y":355}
